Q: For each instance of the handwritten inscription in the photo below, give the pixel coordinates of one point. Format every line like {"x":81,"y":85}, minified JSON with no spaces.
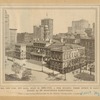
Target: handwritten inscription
{"x":94,"y":93}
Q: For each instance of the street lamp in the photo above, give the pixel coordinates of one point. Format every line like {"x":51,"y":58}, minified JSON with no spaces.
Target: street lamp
{"x":42,"y":61}
{"x":42,"y":64}
{"x":91,"y":68}
{"x":65,"y":74}
{"x":82,"y":61}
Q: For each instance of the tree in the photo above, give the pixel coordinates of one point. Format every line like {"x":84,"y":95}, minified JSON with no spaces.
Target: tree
{"x":16,"y":68}
{"x":91,"y":69}
{"x":26,"y":74}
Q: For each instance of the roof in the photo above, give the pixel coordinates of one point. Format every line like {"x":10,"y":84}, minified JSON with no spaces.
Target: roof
{"x":87,"y":39}
{"x":40,"y":41}
{"x":24,"y":44}
{"x":62,"y":47}
{"x":37,"y":54}
{"x":29,"y":44}
{"x":55,"y":44}
{"x":47,"y":19}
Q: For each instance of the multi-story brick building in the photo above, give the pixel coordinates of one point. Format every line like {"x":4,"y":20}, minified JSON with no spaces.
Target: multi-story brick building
{"x":79,"y":26}
{"x":38,"y":32}
{"x":24,"y":37}
{"x":13,"y":36}
{"x":89,"y":44}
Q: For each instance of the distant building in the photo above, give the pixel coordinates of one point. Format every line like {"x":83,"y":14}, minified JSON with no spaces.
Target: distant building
{"x":44,"y":31}
{"x":65,"y":38}
{"x":67,"y":57}
{"x":61,"y":34}
{"x":89,"y":44}
{"x":79,"y":26}
{"x":24,"y":37}
{"x":20,"y":51}
{"x":69,"y":38}
{"x":69,"y":29}
{"x":89,"y":32}
{"x":6,"y":30}
{"x":38,"y":33}
{"x":13,"y":36}
{"x":60,"y":37}
{"x":48,"y":25}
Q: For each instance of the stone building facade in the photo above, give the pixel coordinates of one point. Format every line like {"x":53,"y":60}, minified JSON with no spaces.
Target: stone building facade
{"x":67,"y":57}
{"x":39,"y":51}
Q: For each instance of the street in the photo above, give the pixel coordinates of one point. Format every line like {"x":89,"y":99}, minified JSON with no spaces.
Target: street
{"x":42,"y":76}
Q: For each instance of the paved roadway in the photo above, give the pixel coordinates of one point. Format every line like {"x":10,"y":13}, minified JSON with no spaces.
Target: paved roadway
{"x":38,"y":75}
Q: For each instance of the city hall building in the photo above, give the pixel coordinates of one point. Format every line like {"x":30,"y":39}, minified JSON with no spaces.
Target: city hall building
{"x":38,"y":51}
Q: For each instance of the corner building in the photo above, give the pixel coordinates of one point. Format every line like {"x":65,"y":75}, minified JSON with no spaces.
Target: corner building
{"x":67,"y":57}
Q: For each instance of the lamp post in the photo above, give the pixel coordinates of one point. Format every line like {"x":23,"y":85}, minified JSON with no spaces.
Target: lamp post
{"x":65,"y":75}
{"x":91,"y":68}
{"x":42,"y":62}
{"x":82,"y":61}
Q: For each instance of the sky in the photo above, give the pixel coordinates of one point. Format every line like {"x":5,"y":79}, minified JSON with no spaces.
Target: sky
{"x":24,"y":19}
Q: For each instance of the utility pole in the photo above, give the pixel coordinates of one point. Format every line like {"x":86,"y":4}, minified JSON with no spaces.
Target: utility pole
{"x":65,"y":77}
{"x":42,"y":63}
{"x":64,"y":74}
